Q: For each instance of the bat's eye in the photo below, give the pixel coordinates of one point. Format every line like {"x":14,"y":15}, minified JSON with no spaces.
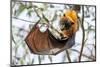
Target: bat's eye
{"x":72,"y":23}
{"x":64,"y":15}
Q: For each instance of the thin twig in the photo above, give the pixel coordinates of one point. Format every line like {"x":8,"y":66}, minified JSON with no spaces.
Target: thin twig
{"x":28,"y":20}
{"x":82,"y":26}
{"x":22,"y":19}
{"x":68,"y":56}
{"x":83,"y":54}
{"x":13,"y":5}
{"x":36,"y":12}
{"x":39,"y":59}
{"x":50,"y":24}
{"x":37,"y":15}
{"x":49,"y":56}
{"x":13,"y":39}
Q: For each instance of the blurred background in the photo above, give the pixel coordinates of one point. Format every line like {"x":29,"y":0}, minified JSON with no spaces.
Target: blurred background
{"x":24,"y":16}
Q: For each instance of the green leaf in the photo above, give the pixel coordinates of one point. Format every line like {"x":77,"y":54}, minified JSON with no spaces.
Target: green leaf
{"x":29,"y":6}
{"x":29,"y":13}
{"x":21,"y":9}
{"x":21,"y":61}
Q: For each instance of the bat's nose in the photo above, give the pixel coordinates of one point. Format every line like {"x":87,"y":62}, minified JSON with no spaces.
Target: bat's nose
{"x":67,"y":24}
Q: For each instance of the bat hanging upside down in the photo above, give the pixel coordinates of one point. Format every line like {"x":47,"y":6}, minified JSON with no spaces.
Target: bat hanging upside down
{"x":52,"y":43}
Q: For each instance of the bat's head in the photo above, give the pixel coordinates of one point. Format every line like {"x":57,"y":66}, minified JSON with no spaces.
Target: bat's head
{"x":67,"y":26}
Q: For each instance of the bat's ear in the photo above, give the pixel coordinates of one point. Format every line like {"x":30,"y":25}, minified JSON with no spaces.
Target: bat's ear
{"x":71,"y":15}
{"x":76,"y":8}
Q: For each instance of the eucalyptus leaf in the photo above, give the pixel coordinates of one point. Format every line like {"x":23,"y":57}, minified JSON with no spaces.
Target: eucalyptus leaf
{"x":29,"y":6}
{"x":21,"y":61}
{"x":29,"y":13}
{"x":22,"y":7}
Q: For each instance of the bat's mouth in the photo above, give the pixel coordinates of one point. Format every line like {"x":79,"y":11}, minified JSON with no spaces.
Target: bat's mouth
{"x":61,"y":39}
{"x":64,"y":38}
{"x":57,"y":34}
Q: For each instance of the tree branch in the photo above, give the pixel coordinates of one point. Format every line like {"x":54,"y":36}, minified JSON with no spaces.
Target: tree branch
{"x":22,"y":19}
{"x":69,"y":59}
{"x":82,"y":26}
{"x":39,"y":59}
{"x":83,"y":54}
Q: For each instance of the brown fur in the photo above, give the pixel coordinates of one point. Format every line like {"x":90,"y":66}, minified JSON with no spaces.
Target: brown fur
{"x":72,"y":16}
